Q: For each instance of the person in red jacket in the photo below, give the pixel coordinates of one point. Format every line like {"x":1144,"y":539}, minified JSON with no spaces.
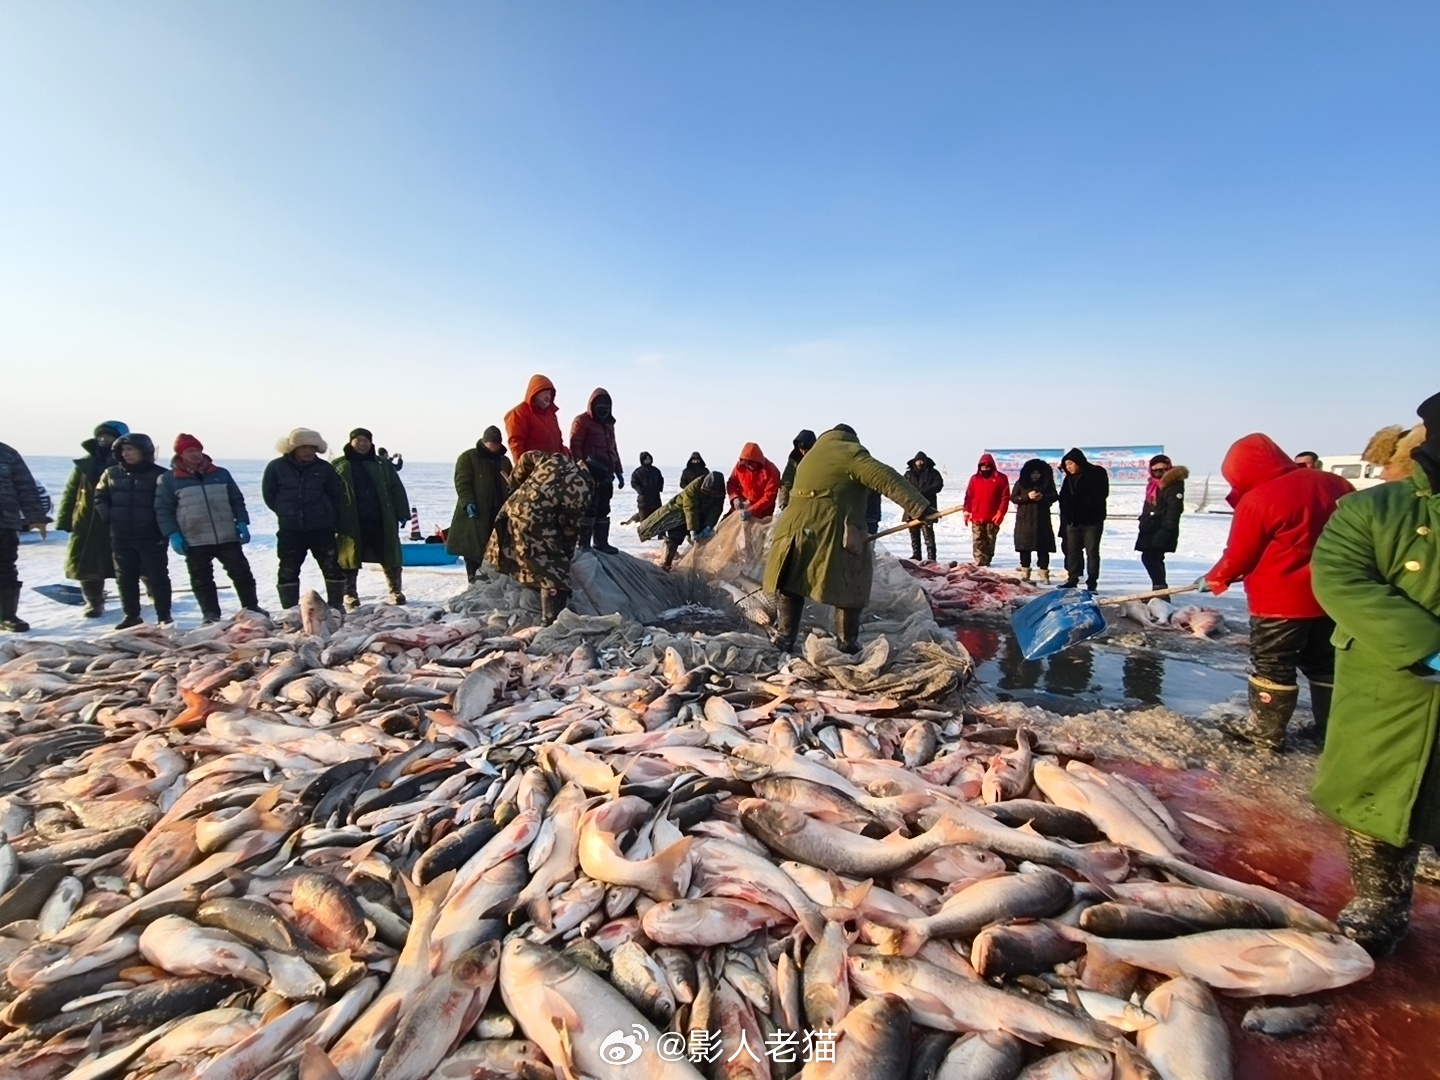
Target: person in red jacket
{"x":592,"y":440}
{"x":753,"y":484}
{"x":532,"y":425}
{"x":987,"y":500}
{"x":1280,"y":510}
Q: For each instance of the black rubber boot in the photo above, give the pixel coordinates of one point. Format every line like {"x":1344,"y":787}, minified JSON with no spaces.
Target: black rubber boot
{"x":552,"y":602}
{"x":915,"y":546}
{"x":393,"y":579}
{"x":847,"y":630}
{"x":289,"y":593}
{"x":1321,"y":694}
{"x":788,"y":610}
{"x":670,"y":549}
{"x":334,"y":593}
{"x":602,"y":537}
{"x":1271,"y":706}
{"x":94,"y":593}
{"x":1384,"y":879}
{"x":1069,"y":583}
{"x":208,"y":597}
{"x":930,"y":546}
{"x":10,"y":621}
{"x":587,"y":529}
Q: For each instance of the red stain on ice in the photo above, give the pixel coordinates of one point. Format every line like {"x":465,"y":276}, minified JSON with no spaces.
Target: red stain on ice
{"x":1386,"y":1028}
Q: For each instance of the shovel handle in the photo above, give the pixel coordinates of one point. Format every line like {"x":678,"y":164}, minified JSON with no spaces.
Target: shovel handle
{"x":912,"y":524}
{"x":1112,"y":601}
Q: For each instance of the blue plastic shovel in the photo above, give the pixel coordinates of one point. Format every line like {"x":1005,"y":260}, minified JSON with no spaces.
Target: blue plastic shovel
{"x":1062,"y":618}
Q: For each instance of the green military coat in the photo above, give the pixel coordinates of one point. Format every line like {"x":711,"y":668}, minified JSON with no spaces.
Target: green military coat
{"x":691,"y":509}
{"x":481,"y":477}
{"x":88,"y":556}
{"x":1376,"y":571}
{"x":820,"y":547}
{"x":394,"y":510}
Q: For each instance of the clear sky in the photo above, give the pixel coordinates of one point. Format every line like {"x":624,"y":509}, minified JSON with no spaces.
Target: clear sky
{"x":950,"y":225}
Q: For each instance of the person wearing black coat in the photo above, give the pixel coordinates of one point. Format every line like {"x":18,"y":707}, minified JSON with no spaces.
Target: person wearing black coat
{"x":1160,"y":517}
{"x":21,"y":509}
{"x":1083,"y":498}
{"x":1033,"y":493}
{"x":304,"y":491}
{"x":926,"y":478}
{"x":647,"y":482}
{"x":125,"y":499}
{"x":694,"y":469}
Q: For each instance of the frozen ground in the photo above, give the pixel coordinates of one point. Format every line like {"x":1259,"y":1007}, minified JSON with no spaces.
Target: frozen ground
{"x":1202,"y":536}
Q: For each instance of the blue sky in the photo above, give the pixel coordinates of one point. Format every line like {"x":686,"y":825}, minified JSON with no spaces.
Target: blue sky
{"x":949,"y":225}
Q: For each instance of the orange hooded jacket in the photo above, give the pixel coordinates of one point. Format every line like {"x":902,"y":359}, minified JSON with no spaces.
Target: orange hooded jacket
{"x":529,"y":428}
{"x":756,"y":480}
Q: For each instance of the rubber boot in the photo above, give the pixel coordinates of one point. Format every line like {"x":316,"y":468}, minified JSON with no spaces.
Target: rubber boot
{"x":551,"y":604}
{"x":350,"y":590}
{"x":10,"y":621}
{"x":587,"y":529}
{"x":788,"y":610}
{"x":1271,"y":706}
{"x":289,"y":592}
{"x":94,"y":592}
{"x":392,"y":578}
{"x":930,"y":548}
{"x":915,"y":546}
{"x":1321,"y":695}
{"x":1384,"y":879}
{"x":334,"y":593}
{"x":847,"y":630}
{"x":670,"y":549}
{"x":208,"y":597}
{"x":602,"y":537}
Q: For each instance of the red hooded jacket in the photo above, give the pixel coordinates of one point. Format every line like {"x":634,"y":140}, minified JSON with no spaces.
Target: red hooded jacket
{"x":593,"y":437}
{"x":529,"y":428}
{"x":1280,"y":510}
{"x":756,"y":480}
{"x":987,"y":500}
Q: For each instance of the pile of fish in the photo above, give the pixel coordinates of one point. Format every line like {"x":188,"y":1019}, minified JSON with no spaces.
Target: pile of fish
{"x":957,"y":588}
{"x":406,"y":847}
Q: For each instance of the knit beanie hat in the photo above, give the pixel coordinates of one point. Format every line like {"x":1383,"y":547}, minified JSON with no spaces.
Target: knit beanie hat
{"x":714,"y":484}
{"x":492,"y":434}
{"x":185,"y":442}
{"x":357,"y":432}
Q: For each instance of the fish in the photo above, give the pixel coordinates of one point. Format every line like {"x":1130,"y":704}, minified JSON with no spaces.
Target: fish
{"x":791,"y":834}
{"x":1283,"y":1021}
{"x":182,"y":947}
{"x":1039,"y":894}
{"x":1114,"y":818}
{"x":983,"y":1055}
{"x":872,"y":1041}
{"x":1190,"y":1038}
{"x":1008,"y":774}
{"x":664,"y":876}
{"x":1083,"y":1064}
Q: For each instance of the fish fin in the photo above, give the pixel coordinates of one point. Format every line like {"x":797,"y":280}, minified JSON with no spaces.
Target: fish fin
{"x":540,"y":911}
{"x":267,"y":801}
{"x":1103,"y":865}
{"x":315,"y":1064}
{"x":674,"y":867}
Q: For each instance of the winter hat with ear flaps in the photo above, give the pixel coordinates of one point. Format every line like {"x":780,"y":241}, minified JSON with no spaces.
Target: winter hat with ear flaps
{"x":299,"y":437}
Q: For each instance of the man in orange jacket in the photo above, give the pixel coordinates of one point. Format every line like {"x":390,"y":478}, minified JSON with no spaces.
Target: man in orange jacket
{"x":754,"y":484}
{"x":987,"y":499}
{"x":533,"y":424}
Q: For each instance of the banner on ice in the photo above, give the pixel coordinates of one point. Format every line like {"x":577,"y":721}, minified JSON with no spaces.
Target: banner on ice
{"x":1126,"y":464}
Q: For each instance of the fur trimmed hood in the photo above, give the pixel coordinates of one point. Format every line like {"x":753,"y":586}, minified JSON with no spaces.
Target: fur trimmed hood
{"x":1176,"y":474}
{"x":1392,"y":446}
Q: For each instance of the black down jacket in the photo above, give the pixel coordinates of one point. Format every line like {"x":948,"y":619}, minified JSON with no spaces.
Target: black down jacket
{"x":125,"y":496}
{"x":302,"y":497}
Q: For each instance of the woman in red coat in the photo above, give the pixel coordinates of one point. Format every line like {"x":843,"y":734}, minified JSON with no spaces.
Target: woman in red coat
{"x":532,"y":425}
{"x":754,"y":484}
{"x":987,"y":500}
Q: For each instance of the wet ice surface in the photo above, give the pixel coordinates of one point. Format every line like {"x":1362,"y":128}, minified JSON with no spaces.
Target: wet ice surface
{"x":430,"y":486}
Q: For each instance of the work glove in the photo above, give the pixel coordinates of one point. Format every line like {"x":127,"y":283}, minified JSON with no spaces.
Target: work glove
{"x":744,"y":515}
{"x":1202,"y":585}
{"x":1434,"y":662}
{"x":694,"y":539}
{"x":471,"y":510}
{"x":620,"y":479}
{"x":242,"y":531}
{"x":177,"y":542}
{"x":706,"y":533}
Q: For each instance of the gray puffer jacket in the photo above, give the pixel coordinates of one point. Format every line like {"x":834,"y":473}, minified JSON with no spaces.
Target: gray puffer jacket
{"x":203,"y":506}
{"x":20,"y":505}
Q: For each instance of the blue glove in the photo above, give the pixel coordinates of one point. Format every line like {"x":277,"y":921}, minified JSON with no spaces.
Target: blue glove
{"x":744,"y":515}
{"x":706,"y":533}
{"x":471,"y":510}
{"x":242,"y":531}
{"x":1201,"y":585}
{"x":177,"y":542}
{"x":1434,"y":662}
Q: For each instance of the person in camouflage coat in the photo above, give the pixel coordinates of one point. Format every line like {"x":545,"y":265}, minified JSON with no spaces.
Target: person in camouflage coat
{"x":694,"y":512}
{"x":87,"y":558}
{"x":538,"y":526}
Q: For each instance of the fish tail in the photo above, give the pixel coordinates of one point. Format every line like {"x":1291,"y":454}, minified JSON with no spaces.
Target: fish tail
{"x":673,"y":868}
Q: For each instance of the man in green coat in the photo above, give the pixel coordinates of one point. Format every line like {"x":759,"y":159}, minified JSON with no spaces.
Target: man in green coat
{"x":482,"y":477}
{"x":369,"y":516}
{"x":1376,"y":570}
{"x":820,"y":547}
{"x":693,"y":512}
{"x":88,"y":559}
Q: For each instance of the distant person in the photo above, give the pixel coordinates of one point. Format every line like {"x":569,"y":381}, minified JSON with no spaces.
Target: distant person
{"x":1160,"y":513}
{"x":818,"y":548}
{"x":693,"y":512}
{"x":397,"y":460}
{"x":482,"y":480}
{"x":1374,"y":571}
{"x":369,"y":517}
{"x":533,"y":424}
{"x":304,"y":492}
{"x":987,"y":500}
{"x":1307,"y":459}
{"x":694,"y":469}
{"x":538,"y":526}
{"x":921,"y":472}
{"x":88,"y":558}
{"x":754,"y":484}
{"x":20,"y":511}
{"x":125,"y":497}
{"x":200,"y":508}
{"x":1084,"y":496}
{"x":800,"y":446}
{"x":1033,"y":495}
{"x":647,"y":482}
{"x":592,"y":439}
{"x":1280,"y":509}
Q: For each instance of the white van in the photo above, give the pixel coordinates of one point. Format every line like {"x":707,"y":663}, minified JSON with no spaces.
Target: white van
{"x":1357,"y":470}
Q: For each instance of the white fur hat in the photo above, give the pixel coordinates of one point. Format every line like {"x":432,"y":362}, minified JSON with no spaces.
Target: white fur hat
{"x":301,"y":436}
